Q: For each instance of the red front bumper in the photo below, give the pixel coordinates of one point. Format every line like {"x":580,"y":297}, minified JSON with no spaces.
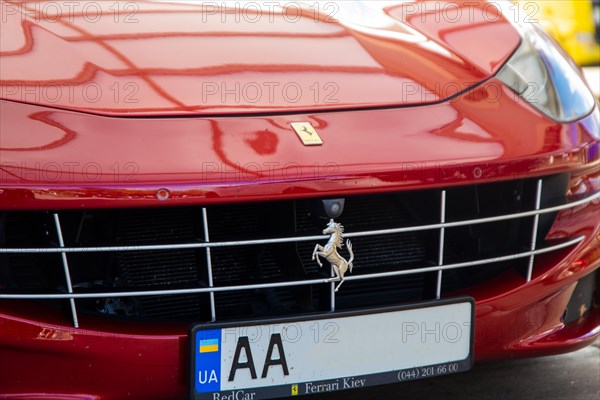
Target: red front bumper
{"x":43,"y":357}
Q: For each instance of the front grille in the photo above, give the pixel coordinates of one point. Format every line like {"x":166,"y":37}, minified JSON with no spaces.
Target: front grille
{"x":235,"y":261}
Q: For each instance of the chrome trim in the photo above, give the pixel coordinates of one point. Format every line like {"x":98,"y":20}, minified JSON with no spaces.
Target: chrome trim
{"x":438,"y":286}
{"x":294,"y":283}
{"x":534,"y":229}
{"x":332,"y":292}
{"x":574,"y":204}
{"x":213,"y":313}
{"x":65,"y":263}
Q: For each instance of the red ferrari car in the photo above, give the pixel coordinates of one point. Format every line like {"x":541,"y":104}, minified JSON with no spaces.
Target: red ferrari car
{"x":247,"y":200}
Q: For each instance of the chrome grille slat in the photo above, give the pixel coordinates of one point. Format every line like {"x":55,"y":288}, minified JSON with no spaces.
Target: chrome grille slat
{"x":438,"y":286}
{"x":65,"y":264}
{"x":209,"y":265}
{"x":534,"y":230}
{"x":217,"y":289}
{"x":332,"y":292}
{"x":418,"y":228}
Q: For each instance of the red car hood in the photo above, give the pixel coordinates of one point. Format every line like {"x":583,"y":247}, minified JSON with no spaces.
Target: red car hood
{"x":192,"y":58}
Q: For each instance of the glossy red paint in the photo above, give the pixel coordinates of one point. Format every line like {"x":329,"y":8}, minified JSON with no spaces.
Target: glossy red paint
{"x":74,"y":159}
{"x":213,"y":60}
{"x":70,"y":159}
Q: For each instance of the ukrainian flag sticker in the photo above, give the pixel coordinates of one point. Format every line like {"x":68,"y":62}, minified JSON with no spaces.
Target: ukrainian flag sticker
{"x":209,"y":345}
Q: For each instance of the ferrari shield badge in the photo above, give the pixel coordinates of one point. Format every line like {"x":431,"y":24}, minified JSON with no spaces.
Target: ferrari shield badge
{"x":330,"y":252}
{"x":307,"y":134}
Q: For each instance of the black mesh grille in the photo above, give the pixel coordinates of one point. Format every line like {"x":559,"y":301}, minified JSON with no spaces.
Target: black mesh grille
{"x":264,"y":263}
{"x":161,"y":268}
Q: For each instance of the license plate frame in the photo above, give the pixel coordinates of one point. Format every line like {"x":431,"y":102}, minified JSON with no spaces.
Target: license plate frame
{"x":288,"y":389}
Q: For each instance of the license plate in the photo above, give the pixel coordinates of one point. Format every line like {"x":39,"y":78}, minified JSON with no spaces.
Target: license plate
{"x":330,"y":352}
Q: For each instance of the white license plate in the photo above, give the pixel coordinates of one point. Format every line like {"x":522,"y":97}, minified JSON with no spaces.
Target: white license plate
{"x":331,"y":352}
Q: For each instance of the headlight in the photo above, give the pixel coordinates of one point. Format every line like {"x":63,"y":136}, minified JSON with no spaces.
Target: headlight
{"x":546,"y":79}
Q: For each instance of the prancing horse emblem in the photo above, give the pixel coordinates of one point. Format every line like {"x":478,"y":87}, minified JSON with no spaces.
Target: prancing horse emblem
{"x":329,"y":252}
{"x":307,"y":133}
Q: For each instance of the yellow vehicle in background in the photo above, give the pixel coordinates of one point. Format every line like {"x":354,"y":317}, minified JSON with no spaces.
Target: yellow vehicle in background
{"x":575,"y":24}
